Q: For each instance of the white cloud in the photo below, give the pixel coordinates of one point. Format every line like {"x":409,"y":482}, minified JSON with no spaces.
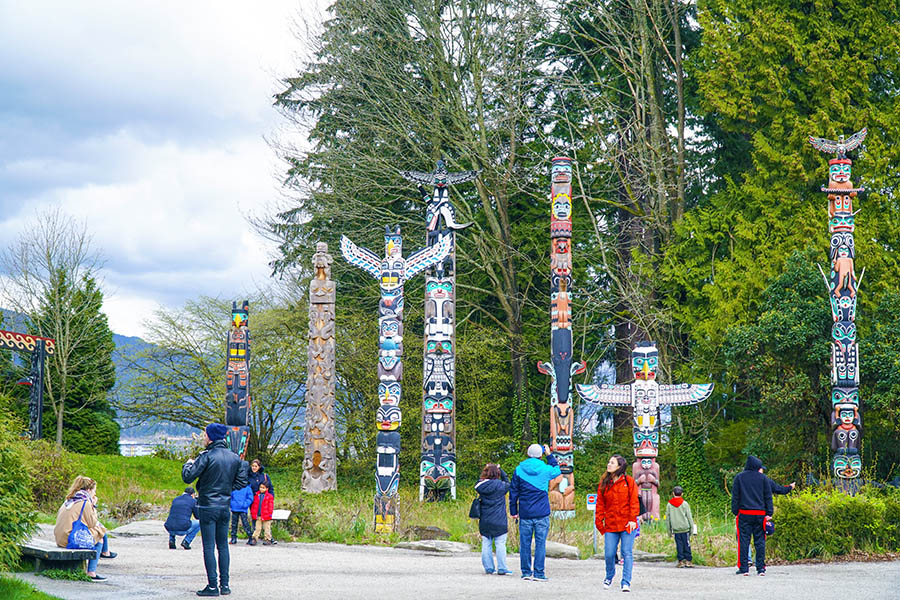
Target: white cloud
{"x":147,"y":121}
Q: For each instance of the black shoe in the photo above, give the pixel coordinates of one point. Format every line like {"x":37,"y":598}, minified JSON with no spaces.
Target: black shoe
{"x":208,"y":591}
{"x":233,"y":541}
{"x":224,"y":590}
{"x":171,"y":543}
{"x":267,"y":542}
{"x":110,"y":555}
{"x":185,"y":545}
{"x":98,"y":578}
{"x":252,"y":542}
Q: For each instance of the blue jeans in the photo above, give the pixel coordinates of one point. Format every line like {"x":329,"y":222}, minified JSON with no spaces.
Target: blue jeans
{"x":538,"y":528}
{"x":487,"y":559}
{"x":188,"y":533}
{"x":611,"y":541}
{"x":214,"y":531}
{"x":101,"y":546}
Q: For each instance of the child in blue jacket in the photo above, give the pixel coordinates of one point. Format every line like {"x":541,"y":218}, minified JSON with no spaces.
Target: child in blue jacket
{"x":240,"y":503}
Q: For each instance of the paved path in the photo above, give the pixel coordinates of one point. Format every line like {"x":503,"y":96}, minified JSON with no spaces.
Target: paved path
{"x":147,"y":569}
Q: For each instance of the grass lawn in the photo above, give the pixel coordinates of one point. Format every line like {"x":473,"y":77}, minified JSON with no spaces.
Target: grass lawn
{"x":346,"y":516}
{"x":15,"y":589}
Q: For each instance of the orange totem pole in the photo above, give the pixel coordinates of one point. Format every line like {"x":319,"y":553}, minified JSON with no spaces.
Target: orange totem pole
{"x":561,"y":367}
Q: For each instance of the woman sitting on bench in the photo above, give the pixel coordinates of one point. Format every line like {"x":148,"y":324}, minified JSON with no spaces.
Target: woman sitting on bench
{"x":82,"y":500}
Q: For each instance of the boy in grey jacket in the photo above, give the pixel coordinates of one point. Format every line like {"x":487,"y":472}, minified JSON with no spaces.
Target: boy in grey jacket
{"x":681,"y":524}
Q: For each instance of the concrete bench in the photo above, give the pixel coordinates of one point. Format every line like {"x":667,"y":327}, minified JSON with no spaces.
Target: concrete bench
{"x":48,"y":555}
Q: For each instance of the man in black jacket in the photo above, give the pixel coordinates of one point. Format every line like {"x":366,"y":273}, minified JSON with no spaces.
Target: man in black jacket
{"x":751,"y":503}
{"x":218,"y":472}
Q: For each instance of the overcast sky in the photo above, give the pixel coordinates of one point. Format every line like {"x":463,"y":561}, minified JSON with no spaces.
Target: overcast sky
{"x":147,"y":119}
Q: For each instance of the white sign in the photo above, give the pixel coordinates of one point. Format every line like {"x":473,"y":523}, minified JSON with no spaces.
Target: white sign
{"x":592,"y":501}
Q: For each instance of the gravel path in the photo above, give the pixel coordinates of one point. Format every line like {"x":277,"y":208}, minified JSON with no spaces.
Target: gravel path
{"x":147,"y":569}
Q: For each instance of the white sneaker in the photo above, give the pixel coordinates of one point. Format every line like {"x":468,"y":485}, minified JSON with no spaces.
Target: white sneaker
{"x":607,"y":583}
{"x":626,"y":588}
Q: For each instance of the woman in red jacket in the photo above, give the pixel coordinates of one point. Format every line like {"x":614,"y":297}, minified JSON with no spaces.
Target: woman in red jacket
{"x":616,"y":518}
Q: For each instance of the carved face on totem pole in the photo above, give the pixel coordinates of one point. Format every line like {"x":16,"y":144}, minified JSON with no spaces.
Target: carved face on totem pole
{"x":388,"y":418}
{"x":646,"y":442}
{"x":387,"y":472}
{"x":240,"y":317}
{"x":839,"y":171}
{"x":847,"y":466}
{"x":438,"y":423}
{"x":644,"y":360}
{"x":389,"y":393}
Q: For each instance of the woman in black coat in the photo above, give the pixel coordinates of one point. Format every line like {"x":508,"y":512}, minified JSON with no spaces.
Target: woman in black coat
{"x":258,"y":475}
{"x":492,"y":488}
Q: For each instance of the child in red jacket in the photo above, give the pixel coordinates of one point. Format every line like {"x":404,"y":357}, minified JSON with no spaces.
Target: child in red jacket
{"x":261,"y":513}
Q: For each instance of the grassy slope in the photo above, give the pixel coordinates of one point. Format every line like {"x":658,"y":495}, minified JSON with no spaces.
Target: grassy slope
{"x":346,"y":517}
{"x":15,"y":589}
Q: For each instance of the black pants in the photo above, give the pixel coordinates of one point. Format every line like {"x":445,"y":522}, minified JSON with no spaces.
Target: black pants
{"x":235,"y":517}
{"x":683,"y":546}
{"x":214,"y":529}
{"x":751,"y":525}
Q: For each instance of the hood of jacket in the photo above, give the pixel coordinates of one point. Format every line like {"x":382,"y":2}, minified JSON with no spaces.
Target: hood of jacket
{"x":753,"y":464}
{"x":677,"y":501}
{"x":532,"y":466}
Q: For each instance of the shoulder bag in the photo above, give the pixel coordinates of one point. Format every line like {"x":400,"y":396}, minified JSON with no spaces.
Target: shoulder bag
{"x":80,"y":538}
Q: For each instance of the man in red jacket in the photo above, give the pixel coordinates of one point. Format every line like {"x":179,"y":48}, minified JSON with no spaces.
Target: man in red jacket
{"x":261,"y":513}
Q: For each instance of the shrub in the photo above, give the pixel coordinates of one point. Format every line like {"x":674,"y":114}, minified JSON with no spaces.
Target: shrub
{"x":300,"y":523}
{"x":17,"y":515}
{"x":51,"y":470}
{"x":289,"y":457}
{"x":824,"y":523}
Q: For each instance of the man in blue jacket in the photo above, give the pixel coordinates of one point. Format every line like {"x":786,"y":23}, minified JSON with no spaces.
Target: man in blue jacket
{"x":179,"y":521}
{"x":530,"y":504}
{"x":751,"y":503}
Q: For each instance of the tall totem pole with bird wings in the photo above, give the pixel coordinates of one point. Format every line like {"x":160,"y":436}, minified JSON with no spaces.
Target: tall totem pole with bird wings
{"x":437,"y":466}
{"x":561,"y":367}
{"x":645,"y":396}
{"x":237,"y":379}
{"x":392,"y":272}
{"x":842,"y":284}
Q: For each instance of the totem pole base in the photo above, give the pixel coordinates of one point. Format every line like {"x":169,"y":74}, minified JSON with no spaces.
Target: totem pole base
{"x":562,"y":514}
{"x":237,"y":439}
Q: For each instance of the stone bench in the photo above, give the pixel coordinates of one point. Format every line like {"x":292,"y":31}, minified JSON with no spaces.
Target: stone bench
{"x":48,"y":555}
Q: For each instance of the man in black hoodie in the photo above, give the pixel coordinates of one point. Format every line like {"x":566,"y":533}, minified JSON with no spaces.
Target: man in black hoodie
{"x":751,"y":503}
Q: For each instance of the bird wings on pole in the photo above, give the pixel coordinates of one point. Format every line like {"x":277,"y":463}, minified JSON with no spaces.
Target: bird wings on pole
{"x":428,"y":256}
{"x":840,"y":147}
{"x":606,"y":394}
{"x":684,"y":394}
{"x":363,"y":258}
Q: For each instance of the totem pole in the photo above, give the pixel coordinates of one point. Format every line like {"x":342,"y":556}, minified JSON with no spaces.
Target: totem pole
{"x":392,"y":272}
{"x":645,"y":396}
{"x":437,"y":466}
{"x":842,"y":285}
{"x":561,"y":368}
{"x":237,"y":380}
{"x":319,"y":465}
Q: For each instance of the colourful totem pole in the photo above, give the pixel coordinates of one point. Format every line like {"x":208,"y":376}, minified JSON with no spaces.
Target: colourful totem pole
{"x":237,"y":379}
{"x":842,"y":284}
{"x":561,"y":367}
{"x":437,"y":466}
{"x":319,"y":464}
{"x":39,"y":348}
{"x":392,"y":272}
{"x":645,"y":396}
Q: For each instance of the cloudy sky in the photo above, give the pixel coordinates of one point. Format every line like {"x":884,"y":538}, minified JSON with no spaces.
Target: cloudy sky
{"x":147,"y":119}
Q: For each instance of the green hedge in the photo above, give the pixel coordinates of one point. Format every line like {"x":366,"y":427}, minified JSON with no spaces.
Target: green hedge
{"x":825,"y":523}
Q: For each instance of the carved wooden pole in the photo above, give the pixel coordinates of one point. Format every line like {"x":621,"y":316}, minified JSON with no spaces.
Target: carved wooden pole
{"x":561,"y":367}
{"x":437,"y":466}
{"x":842,"y":284}
{"x":645,"y":395}
{"x":392,"y":272}
{"x":319,"y":463}
{"x":237,"y":379}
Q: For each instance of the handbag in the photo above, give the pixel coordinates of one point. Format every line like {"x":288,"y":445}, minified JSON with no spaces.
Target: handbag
{"x":475,"y":509}
{"x":80,"y":538}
